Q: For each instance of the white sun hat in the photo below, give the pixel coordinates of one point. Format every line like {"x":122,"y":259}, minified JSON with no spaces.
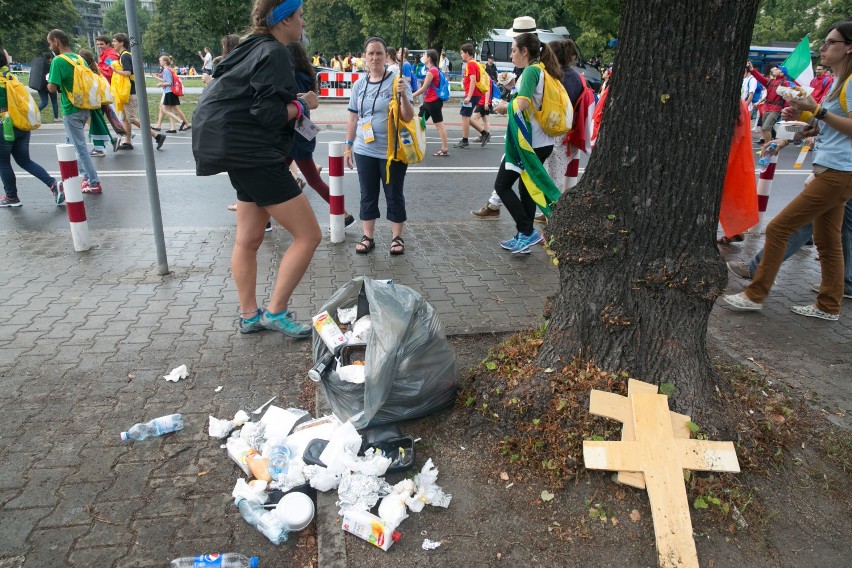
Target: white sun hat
{"x":523,"y":24}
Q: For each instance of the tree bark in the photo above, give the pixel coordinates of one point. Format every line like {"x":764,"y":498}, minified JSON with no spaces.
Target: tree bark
{"x":635,"y":239}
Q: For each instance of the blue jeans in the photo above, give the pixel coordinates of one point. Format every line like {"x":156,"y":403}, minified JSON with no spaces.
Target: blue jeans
{"x":20,"y":150}
{"x":48,"y":96}
{"x":806,"y":233}
{"x":75,"y":133}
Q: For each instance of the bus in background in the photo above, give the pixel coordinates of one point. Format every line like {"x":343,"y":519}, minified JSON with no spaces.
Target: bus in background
{"x":499,"y":45}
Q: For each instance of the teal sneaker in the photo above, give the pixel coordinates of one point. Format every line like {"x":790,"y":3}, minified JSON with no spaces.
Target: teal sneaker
{"x":286,"y":323}
{"x":252,"y":324}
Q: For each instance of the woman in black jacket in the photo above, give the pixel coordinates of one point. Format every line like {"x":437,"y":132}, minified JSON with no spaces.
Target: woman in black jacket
{"x":243,"y":125}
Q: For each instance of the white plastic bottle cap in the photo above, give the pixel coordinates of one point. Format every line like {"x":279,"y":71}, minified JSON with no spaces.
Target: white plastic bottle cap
{"x":296,"y":509}
{"x":124,"y":436}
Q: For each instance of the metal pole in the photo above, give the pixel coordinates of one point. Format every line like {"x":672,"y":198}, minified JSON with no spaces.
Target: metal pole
{"x":147,"y":145}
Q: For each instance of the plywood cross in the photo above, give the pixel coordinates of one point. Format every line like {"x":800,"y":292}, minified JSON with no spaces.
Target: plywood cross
{"x":662,"y":457}
{"x":617,"y":407}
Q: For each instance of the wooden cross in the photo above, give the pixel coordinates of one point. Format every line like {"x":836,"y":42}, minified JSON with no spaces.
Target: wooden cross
{"x":661,"y":458}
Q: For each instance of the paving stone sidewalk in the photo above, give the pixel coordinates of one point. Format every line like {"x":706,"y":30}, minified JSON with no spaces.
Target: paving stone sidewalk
{"x":85,"y":339}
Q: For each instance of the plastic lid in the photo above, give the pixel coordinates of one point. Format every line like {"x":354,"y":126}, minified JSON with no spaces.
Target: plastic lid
{"x":395,"y":536}
{"x":253,"y":562}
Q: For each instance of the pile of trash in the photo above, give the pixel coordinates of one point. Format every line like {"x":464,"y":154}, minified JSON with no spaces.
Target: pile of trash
{"x":287,"y":452}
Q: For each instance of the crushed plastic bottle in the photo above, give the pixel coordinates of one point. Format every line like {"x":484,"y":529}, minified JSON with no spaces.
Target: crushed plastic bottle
{"x":766,"y":157}
{"x":264,"y":521}
{"x":155,"y":427}
{"x":279,"y":462}
{"x":227,"y":560}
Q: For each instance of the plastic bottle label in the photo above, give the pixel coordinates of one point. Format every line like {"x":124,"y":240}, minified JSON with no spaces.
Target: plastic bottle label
{"x":207,"y":560}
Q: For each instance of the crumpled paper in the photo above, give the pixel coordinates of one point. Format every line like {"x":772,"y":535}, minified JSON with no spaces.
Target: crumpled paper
{"x":177,"y":374}
{"x":430,"y":544}
{"x":254,"y":492}
{"x":219,"y":428}
{"x":427,"y":490}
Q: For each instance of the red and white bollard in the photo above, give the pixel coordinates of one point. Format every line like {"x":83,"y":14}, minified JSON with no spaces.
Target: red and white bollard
{"x":73,"y":197}
{"x":572,"y":172}
{"x":337,"y":220}
{"x":764,"y":186}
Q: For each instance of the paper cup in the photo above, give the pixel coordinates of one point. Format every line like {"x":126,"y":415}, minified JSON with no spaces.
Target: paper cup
{"x":296,"y":509}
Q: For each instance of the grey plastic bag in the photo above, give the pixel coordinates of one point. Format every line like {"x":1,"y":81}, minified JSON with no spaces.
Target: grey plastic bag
{"x":410,"y":369}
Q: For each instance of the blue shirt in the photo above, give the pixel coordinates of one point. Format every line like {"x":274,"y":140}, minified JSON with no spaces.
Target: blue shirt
{"x":168,"y":80}
{"x":407,"y":71}
{"x":834,"y":149}
{"x":370,"y":101}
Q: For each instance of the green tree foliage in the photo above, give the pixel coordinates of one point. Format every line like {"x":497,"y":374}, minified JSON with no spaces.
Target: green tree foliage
{"x":25,"y":24}
{"x":598,"y":22}
{"x":182,"y":28}
{"x":791,"y":20}
{"x":431,"y":23}
{"x":115,"y":18}
{"x":333,"y":25}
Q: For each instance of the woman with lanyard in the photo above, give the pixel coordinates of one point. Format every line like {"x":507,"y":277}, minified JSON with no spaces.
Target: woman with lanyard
{"x":433,"y":106}
{"x":244,"y":126}
{"x":826,"y":190}
{"x":367,"y":138}
{"x":527,"y":50}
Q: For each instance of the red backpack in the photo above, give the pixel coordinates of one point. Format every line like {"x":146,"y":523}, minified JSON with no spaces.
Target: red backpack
{"x":177,"y":84}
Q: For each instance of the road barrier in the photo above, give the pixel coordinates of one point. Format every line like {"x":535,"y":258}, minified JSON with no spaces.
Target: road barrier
{"x":73,"y":197}
{"x":337,"y":210}
{"x":764,"y":186}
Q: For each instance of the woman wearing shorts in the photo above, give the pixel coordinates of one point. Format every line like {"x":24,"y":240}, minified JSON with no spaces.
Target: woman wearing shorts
{"x":367,"y":135}
{"x":432,"y":105}
{"x":244,"y":126}
{"x":170,"y":102}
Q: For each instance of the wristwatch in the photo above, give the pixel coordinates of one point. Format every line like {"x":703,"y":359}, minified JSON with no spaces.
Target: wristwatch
{"x":820,"y":114}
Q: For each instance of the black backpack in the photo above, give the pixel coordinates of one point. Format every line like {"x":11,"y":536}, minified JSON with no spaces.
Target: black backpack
{"x":38,"y":74}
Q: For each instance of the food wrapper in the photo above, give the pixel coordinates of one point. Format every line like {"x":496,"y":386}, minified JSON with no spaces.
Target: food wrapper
{"x":794,"y":93}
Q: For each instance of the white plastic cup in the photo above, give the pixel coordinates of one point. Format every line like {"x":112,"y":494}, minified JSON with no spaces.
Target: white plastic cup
{"x":296,"y":509}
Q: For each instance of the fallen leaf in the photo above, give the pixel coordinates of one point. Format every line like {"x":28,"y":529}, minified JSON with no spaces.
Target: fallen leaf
{"x":504,"y":476}
{"x":635,"y":516}
{"x":614,"y":521}
{"x":547,"y":496}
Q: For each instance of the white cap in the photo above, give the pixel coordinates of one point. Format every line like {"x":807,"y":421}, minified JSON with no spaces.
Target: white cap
{"x":124,"y":436}
{"x":522,"y":25}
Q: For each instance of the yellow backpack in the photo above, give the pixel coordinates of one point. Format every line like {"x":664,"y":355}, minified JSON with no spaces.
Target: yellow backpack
{"x":85,"y":94}
{"x":556,"y":114}
{"x":23,"y":109}
{"x":483,"y":81}
{"x":120,"y":86}
{"x":408,"y":144}
{"x":843,"y":94}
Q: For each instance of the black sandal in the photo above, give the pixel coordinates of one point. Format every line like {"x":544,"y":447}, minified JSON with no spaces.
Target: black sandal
{"x":398,"y":244}
{"x":367,"y":244}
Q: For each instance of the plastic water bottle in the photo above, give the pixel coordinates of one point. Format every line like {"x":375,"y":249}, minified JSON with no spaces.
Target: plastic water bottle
{"x":766,"y":158}
{"x":156,"y":427}
{"x":408,"y":146}
{"x":227,"y":560}
{"x":8,"y":128}
{"x":264,"y":521}
{"x":279,"y":462}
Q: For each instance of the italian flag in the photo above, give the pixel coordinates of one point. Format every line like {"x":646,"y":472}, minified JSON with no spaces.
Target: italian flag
{"x":798,"y":64}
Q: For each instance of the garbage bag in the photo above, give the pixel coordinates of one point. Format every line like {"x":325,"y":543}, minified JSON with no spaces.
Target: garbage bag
{"x":410,"y":369}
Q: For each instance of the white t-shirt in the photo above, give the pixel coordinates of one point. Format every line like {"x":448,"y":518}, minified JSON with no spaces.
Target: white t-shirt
{"x":749,"y":86}
{"x":208,"y":61}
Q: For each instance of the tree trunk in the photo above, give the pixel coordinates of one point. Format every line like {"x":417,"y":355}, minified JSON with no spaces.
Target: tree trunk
{"x":635,"y":239}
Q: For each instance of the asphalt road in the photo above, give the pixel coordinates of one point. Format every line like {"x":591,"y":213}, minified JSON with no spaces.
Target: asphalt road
{"x":460,"y":183}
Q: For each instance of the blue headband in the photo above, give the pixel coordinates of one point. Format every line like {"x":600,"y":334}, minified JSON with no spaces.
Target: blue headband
{"x":282,"y":11}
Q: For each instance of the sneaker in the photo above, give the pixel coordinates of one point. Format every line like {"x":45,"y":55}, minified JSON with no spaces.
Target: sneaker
{"x":94,"y":188}
{"x":349,"y":221}
{"x":252,"y":324}
{"x":526,"y":241}
{"x":477,"y":140}
{"x":286,"y":323}
{"x":741,"y":302}
{"x":96,"y":153}
{"x":740,"y":269}
{"x":486,"y":136}
{"x":160,"y":138}
{"x":814,"y":312}
{"x":58,"y":192}
{"x":511,"y":243}
{"x":461,"y":144}
{"x":268,"y":228}
{"x":487,"y":212}
{"x":10,"y":202}
{"x":84,"y":184}
{"x":847,"y":295}
{"x":171,"y":131}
